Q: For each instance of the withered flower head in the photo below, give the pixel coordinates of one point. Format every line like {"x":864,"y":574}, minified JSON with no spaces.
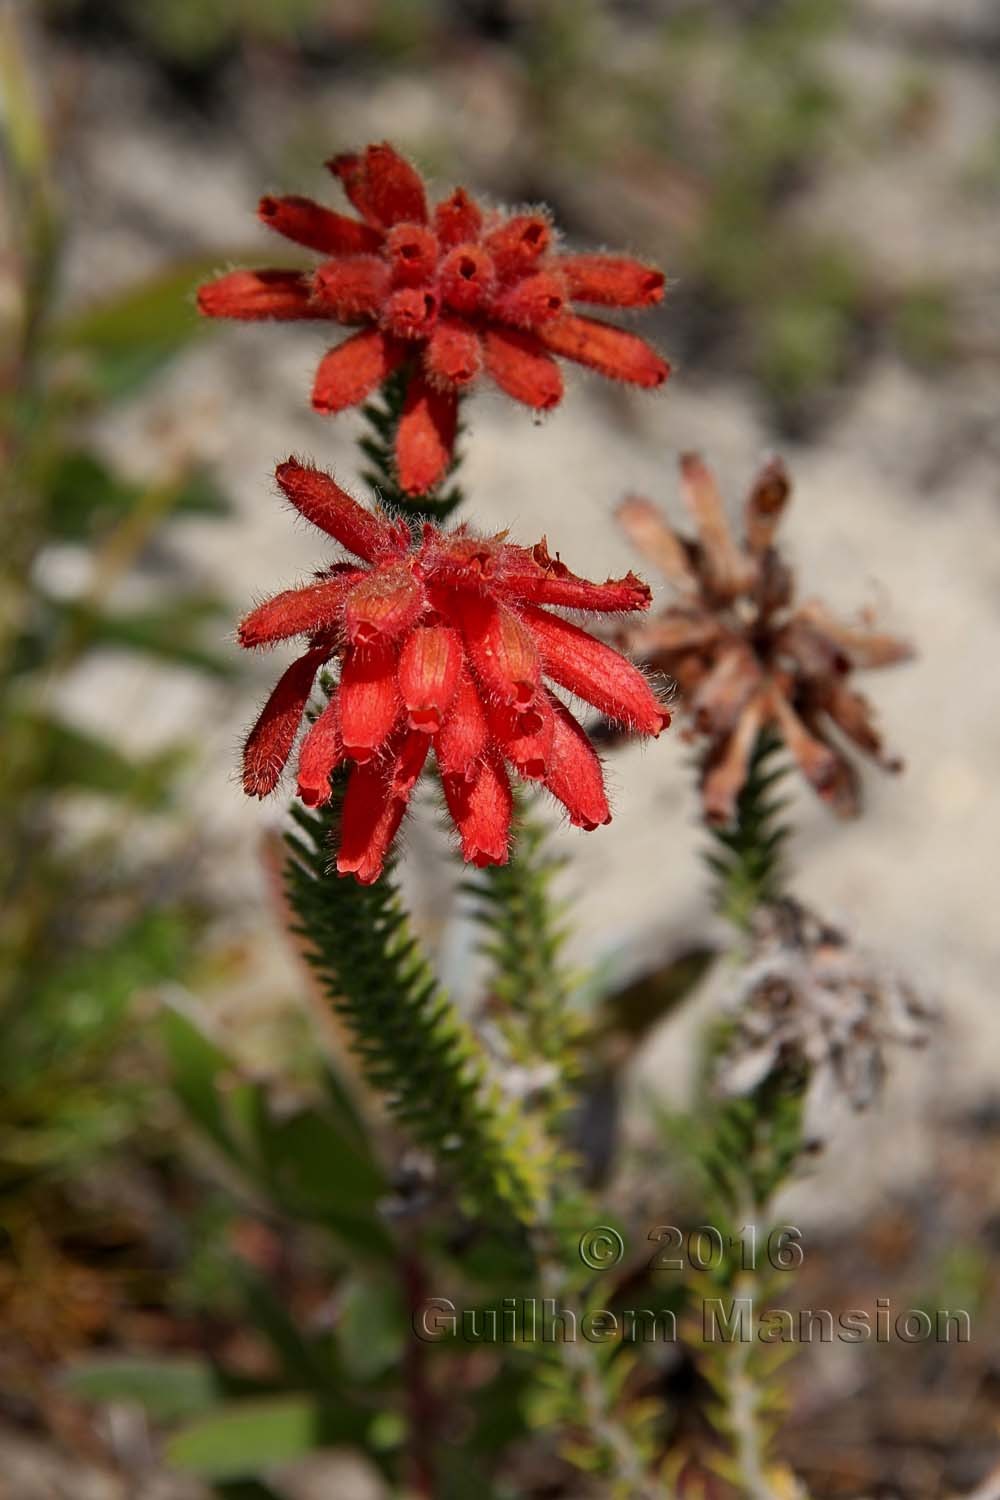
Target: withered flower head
{"x":454,"y":290}
{"x":447,"y":641}
{"x":746,"y":656}
{"x":808,"y":997}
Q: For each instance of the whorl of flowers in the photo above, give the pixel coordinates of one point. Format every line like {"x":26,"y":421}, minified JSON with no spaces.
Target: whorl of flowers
{"x":445,"y":642}
{"x":808,"y":999}
{"x":744,"y":654}
{"x":452,"y":290}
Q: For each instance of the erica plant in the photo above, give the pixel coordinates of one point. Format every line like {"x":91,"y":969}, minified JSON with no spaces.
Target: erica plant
{"x":429,"y":652}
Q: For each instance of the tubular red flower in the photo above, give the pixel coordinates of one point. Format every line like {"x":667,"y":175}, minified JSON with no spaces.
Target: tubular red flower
{"x":409,"y":762}
{"x":532,"y":300}
{"x":321,"y":752}
{"x":465,"y":732}
{"x":369,"y":699}
{"x":454,"y":355}
{"x":517,"y":244}
{"x":502,"y":652}
{"x":270,"y":741}
{"x":350,"y":169}
{"x":438,"y":647}
{"x":318,"y":228}
{"x":295,"y":612}
{"x":395,"y":193}
{"x":579,"y":593}
{"x":467,"y":279}
{"x":353,"y":288}
{"x":449,"y":293}
{"x":482,"y":805}
{"x":522,"y":368}
{"x":574,"y":774}
{"x":596,"y":672}
{"x":429,"y":666}
{"x":410,"y":313}
{"x":383,"y":187}
{"x":426,"y":436}
{"x":612,"y":351}
{"x":351,"y":372}
{"x":383,"y":605}
{"x":547,"y":580}
{"x":369,"y":822}
{"x":458,"y":218}
{"x":412,"y":252}
{"x":611,"y":280}
{"x":524,"y":736}
{"x":250,"y":295}
{"x":320,"y":499}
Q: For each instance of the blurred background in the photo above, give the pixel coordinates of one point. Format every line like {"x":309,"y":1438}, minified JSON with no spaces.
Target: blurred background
{"x":821,"y":181}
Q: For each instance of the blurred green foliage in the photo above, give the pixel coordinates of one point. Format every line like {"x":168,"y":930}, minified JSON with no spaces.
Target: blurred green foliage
{"x":87,"y":927}
{"x":196,"y":33}
{"x":732,"y":112}
{"x":924,"y":323}
{"x":288,"y":1158}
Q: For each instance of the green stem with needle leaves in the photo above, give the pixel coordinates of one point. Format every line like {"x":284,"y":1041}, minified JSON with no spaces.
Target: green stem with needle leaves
{"x":747,"y":854}
{"x":745,"y":1149}
{"x":500,"y":1148}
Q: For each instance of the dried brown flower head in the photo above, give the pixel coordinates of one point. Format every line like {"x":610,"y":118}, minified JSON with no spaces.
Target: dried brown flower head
{"x":744,"y":654}
{"x":807,"y":997}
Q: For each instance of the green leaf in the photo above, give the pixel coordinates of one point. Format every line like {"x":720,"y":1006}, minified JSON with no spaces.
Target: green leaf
{"x":127,"y":337}
{"x":73,"y":759}
{"x":636,"y":1009}
{"x":25,"y":136}
{"x":314,"y":1171}
{"x":168,"y":1390}
{"x":248,"y":1438}
{"x":305,"y":1365}
{"x":61,"y":1024}
{"x":84,"y":496}
{"x":308,"y":1165}
{"x":371,"y":1326}
{"x":197,"y":1069}
{"x":172,"y":633}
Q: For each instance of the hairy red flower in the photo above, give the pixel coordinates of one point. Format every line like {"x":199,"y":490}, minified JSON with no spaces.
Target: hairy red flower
{"x":455,"y":289}
{"x":745,"y":656}
{"x":444,"y":642}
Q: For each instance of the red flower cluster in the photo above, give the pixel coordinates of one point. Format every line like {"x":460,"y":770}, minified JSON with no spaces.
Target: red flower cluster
{"x":458,"y":289}
{"x":445,"y":641}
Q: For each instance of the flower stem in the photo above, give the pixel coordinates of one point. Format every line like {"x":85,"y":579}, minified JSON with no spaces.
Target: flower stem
{"x":748,"y":857}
